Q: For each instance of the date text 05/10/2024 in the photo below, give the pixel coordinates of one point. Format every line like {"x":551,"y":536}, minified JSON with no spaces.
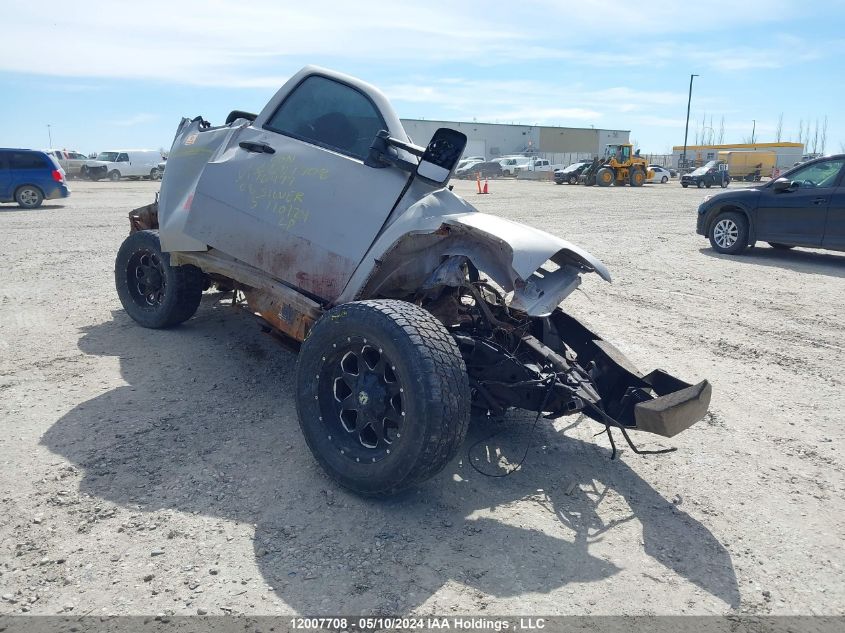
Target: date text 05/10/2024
{"x":340,"y":624}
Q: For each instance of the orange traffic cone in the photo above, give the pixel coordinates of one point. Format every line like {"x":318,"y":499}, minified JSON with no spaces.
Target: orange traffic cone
{"x":485,"y":190}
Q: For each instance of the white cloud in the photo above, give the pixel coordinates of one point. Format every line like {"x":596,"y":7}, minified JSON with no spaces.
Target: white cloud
{"x":229,"y":43}
{"x":528,"y":101}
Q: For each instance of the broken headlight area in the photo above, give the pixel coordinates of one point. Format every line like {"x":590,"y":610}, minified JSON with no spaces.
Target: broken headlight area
{"x":556,"y":366}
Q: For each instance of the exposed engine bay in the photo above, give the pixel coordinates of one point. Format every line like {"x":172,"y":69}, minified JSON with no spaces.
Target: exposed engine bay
{"x":554,"y":364}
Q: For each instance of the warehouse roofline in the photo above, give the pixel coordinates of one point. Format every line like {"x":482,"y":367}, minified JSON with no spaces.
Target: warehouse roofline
{"x":557,"y":127}
{"x":680,"y":148}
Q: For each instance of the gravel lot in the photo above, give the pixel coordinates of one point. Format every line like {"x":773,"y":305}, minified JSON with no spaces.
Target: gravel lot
{"x":155,"y":472}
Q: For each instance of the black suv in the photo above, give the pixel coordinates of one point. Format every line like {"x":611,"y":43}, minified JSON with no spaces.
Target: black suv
{"x":713,"y":173}
{"x":570,"y":174}
{"x":805,"y":207}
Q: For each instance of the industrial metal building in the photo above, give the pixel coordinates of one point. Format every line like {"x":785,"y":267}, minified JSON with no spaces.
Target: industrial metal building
{"x":787,"y":153}
{"x":491,"y":140}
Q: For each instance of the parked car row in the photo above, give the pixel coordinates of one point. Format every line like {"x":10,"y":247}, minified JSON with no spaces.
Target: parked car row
{"x":114,"y":165}
{"x":470,"y":166}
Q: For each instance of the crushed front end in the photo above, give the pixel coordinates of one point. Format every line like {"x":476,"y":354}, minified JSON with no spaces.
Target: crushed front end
{"x":554,"y":364}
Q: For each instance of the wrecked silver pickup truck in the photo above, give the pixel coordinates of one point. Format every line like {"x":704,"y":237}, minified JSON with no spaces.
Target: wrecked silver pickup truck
{"x":409,"y":307}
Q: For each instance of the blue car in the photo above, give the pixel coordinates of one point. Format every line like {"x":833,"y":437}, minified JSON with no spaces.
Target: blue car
{"x":29,"y":177}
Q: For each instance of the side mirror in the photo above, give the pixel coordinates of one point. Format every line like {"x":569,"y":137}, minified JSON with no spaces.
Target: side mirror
{"x":781,"y":184}
{"x":442,"y":154}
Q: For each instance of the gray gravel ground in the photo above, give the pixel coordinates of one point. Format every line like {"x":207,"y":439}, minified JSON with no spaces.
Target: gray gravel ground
{"x":151,"y":472}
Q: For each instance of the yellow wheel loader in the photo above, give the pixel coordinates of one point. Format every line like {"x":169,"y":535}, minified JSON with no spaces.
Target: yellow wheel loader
{"x":619,"y":165}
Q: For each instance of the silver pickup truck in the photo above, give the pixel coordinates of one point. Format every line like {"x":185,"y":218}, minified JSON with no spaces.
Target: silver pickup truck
{"x":409,"y":308}
{"x":72,"y":162}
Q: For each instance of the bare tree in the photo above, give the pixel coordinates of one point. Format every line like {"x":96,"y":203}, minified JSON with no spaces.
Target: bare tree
{"x":779,"y":129}
{"x":801,"y":132}
{"x":722,"y":130}
{"x":823,"y":139}
{"x":815,"y":143}
{"x":712,"y":131}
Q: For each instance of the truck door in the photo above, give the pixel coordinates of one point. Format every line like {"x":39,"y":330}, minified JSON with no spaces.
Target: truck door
{"x":798,"y":215}
{"x":834,"y":232}
{"x":291,"y":195}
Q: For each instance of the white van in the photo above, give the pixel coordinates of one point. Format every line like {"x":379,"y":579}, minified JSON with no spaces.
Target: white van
{"x":125,"y":163}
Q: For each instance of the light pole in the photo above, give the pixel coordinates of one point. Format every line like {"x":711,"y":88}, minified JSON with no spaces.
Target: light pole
{"x":686,"y":128}
{"x":753,"y":129}
{"x":50,"y":136}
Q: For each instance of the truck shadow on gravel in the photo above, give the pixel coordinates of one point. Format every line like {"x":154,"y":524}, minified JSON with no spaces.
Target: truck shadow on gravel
{"x":799,"y":260}
{"x":207,"y":424}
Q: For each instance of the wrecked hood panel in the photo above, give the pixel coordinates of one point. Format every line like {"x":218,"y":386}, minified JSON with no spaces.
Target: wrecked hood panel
{"x":531,"y":247}
{"x":443,"y":224}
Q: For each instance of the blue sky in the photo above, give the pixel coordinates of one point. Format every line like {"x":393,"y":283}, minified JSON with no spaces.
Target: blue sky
{"x":119,"y":74}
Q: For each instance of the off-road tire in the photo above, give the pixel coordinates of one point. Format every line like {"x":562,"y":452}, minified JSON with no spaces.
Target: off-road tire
{"x":684,"y":185}
{"x":181,"y":291}
{"x":573,"y":180}
{"x":664,"y":180}
{"x":435,"y":397}
{"x":732,"y":224}
{"x":605,"y":177}
{"x":700,"y":184}
{"x":29,"y":197}
{"x":636,"y":178}
{"x":114,"y":175}
{"x":781,"y":247}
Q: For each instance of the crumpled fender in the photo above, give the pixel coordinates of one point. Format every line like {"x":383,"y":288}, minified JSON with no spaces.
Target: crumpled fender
{"x":442,"y":224}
